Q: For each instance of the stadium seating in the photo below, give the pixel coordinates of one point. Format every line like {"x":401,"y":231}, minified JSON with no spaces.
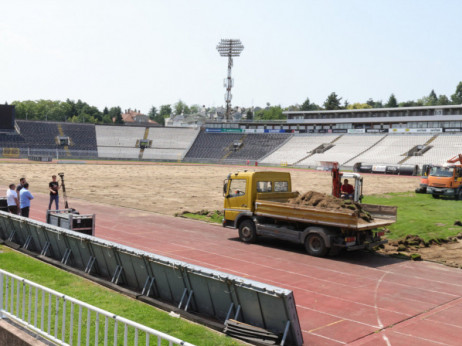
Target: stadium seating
{"x":344,"y":149}
{"x":257,"y":145}
{"x":118,"y":152}
{"x":39,"y":134}
{"x":118,"y":136}
{"x":194,"y":145}
{"x":392,"y":148}
{"x":296,"y":148}
{"x":11,"y":140}
{"x":211,"y":145}
{"x":221,"y":146}
{"x":118,"y":142}
{"x":40,"y":138}
{"x":169,"y":143}
{"x":443,"y":147}
{"x":82,"y":136}
{"x":172,"y":137}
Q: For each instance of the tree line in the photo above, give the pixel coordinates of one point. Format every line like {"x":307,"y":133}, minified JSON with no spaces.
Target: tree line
{"x":67,"y":111}
{"x":81,"y":112}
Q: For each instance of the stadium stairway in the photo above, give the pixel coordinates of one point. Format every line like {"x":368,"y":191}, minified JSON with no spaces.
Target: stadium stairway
{"x":146,"y":134}
{"x":231,"y":147}
{"x":426,"y":143}
{"x":61,"y":133}
{"x":312,"y":153}
{"x":373,"y":145}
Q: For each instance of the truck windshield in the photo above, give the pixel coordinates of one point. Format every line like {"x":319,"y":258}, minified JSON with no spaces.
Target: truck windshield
{"x":433,"y":170}
{"x":237,"y":187}
{"x":442,"y":172}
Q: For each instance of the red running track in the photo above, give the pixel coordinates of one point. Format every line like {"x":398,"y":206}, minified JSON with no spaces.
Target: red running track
{"x":358,"y":298}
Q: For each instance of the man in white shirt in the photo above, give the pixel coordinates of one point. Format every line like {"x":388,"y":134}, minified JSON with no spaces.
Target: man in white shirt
{"x":12,"y":199}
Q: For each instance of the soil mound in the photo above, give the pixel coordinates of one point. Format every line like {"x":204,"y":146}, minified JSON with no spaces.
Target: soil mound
{"x":321,"y":200}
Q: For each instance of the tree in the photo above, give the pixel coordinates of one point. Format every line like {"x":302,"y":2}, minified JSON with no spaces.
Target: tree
{"x":157,"y":117}
{"x":411,"y":103}
{"x":270,"y":113}
{"x":181,"y":108}
{"x":358,"y":105}
{"x":432,"y":99}
{"x":457,"y":96}
{"x":115,"y":113}
{"x":375,"y":104}
{"x":249,"y":114}
{"x":308,"y":106}
{"x":443,"y":100}
{"x":392,"y":102}
{"x":153,"y":113}
{"x":332,"y":102}
{"x":194,"y":109}
{"x":165,"y":111}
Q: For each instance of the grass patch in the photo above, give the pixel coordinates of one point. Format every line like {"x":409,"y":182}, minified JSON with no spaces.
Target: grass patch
{"x":203,"y":215}
{"x":420,"y":214}
{"x":104,"y":298}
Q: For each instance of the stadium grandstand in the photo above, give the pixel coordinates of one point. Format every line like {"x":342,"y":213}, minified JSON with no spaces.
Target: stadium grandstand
{"x":398,"y":136}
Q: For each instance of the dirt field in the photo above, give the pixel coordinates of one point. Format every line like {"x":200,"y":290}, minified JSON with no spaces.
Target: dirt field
{"x":168,"y":189}
{"x":172,"y":188}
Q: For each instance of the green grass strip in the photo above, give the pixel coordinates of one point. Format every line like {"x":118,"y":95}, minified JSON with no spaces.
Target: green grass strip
{"x":421,"y":214}
{"x":104,"y":298}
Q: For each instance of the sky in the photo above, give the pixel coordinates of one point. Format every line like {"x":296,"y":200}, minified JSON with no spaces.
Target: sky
{"x":142,"y":53}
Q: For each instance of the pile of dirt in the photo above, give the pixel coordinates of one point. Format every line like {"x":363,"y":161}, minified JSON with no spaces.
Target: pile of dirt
{"x":322,"y":200}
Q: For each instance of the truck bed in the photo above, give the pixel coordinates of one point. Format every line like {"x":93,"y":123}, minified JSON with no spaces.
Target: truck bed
{"x":279,"y":208}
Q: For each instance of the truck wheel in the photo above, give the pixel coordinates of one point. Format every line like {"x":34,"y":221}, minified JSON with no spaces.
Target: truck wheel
{"x":315,"y":246}
{"x":247,"y":232}
{"x":436,"y":196}
{"x":458,"y":196}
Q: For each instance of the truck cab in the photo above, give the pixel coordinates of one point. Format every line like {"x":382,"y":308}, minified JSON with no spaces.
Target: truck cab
{"x":445,"y":181}
{"x":240,"y":191}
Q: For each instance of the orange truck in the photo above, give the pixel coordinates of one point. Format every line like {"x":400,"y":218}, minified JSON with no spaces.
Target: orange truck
{"x":427,"y":169}
{"x":446,"y":180}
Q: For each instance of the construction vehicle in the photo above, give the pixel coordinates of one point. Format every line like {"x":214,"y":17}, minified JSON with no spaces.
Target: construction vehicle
{"x":257,"y":204}
{"x":446,"y":180}
{"x":337,"y":177}
{"x":426,"y":170}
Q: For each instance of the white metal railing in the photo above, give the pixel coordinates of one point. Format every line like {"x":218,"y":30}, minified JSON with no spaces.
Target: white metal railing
{"x":68,"y":321}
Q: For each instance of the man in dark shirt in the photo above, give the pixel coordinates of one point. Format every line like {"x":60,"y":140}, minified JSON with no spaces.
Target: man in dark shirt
{"x":54,"y":196}
{"x":22,"y":181}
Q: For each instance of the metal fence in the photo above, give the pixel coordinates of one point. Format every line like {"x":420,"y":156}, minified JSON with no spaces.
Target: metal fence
{"x":56,"y":154}
{"x":217,"y":295}
{"x":68,"y":321}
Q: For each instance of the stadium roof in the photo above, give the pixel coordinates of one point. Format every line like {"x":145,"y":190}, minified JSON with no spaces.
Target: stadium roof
{"x":368,"y":110}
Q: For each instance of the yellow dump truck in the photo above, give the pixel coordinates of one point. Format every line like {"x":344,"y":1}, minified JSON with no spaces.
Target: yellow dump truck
{"x":257,"y":204}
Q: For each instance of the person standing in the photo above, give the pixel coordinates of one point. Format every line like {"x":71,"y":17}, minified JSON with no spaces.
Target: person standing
{"x":54,"y":195}
{"x":12,"y":199}
{"x":22,"y":181}
{"x":24,"y":198}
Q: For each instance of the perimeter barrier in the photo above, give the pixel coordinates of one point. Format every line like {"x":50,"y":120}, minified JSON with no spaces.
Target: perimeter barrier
{"x":219,"y":296}
{"x":69,"y":321}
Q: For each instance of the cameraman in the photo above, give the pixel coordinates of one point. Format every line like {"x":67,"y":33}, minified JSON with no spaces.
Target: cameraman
{"x":54,"y":195}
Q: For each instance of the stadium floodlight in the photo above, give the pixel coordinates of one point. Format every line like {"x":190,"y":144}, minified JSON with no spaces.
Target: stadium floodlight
{"x":229,"y":48}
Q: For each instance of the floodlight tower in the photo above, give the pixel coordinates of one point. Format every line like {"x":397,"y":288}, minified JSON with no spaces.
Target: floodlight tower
{"x":229,"y":48}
